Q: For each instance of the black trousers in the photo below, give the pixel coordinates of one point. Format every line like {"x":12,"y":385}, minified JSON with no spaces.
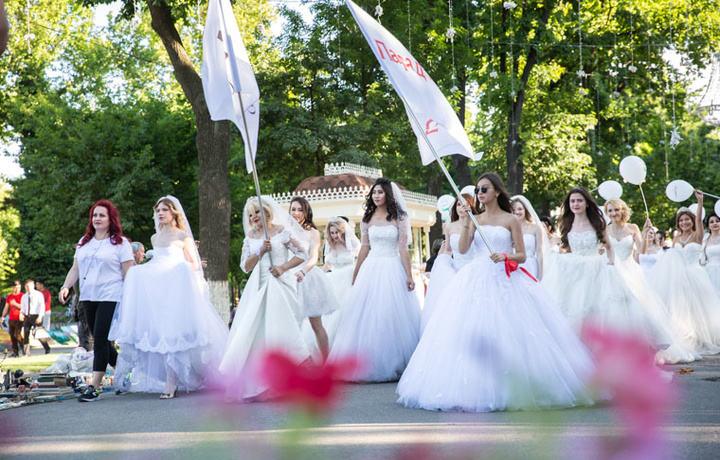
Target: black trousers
{"x":15,"y":329}
{"x":30,"y":321}
{"x":99,"y":317}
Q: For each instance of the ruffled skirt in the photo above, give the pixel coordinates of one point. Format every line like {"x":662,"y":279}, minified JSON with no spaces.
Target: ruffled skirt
{"x":316,"y":295}
{"x":442,"y":273}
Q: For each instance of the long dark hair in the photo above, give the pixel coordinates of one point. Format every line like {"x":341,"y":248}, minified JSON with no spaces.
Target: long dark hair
{"x":115,"y":230}
{"x":503,"y":198}
{"x":594,"y":215}
{"x":307,"y":222}
{"x":393,"y":209}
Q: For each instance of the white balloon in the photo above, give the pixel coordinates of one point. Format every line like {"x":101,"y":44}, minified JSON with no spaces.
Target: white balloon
{"x":610,"y":189}
{"x":717,"y":208}
{"x":633,"y":169}
{"x":444,"y":203}
{"x":679,"y":190}
{"x":468,"y":190}
{"x":693,"y":208}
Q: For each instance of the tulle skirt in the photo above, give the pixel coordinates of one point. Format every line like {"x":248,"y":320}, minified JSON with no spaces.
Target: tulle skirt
{"x":340,"y":278}
{"x":166,"y":321}
{"x":316,"y":295}
{"x":713,"y":272}
{"x":678,"y":351}
{"x":380,"y":325}
{"x":442,"y":272}
{"x":532,"y":266}
{"x":588,"y":290}
{"x":692,"y":303}
{"x":499,"y":343}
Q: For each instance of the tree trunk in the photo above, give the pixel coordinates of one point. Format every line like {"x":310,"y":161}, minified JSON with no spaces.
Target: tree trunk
{"x":434,"y":187}
{"x":460,"y":162}
{"x":213,"y":144}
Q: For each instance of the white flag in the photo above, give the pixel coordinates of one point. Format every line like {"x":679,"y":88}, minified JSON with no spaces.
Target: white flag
{"x":226,"y":71}
{"x":421,"y":96}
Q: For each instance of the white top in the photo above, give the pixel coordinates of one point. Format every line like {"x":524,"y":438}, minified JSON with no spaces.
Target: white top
{"x":32,"y":303}
{"x":100,"y":269}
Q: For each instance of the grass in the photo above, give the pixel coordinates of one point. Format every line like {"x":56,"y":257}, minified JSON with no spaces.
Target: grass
{"x":29,"y":364}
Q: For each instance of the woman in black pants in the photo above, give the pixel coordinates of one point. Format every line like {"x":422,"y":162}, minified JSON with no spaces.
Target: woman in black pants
{"x":102,"y":257}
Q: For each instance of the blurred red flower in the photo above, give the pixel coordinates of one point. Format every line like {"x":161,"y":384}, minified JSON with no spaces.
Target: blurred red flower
{"x":312,"y":387}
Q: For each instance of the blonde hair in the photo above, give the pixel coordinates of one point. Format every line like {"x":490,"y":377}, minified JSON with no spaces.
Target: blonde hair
{"x":620,"y":204}
{"x":177,"y":215}
{"x":251,"y":206}
{"x":340,"y":228}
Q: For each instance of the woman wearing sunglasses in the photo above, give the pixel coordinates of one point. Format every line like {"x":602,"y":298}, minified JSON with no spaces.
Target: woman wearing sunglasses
{"x":499,"y":342}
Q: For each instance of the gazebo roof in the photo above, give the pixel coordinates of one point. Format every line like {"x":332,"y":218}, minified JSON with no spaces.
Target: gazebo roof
{"x":345,"y":180}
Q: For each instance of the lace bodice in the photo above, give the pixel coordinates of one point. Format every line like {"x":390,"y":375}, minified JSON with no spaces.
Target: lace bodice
{"x":499,"y":237}
{"x":690,"y":252}
{"x":648,"y":260}
{"x":279,"y":253}
{"x":623,"y":248}
{"x":713,"y":254}
{"x":459,"y":259}
{"x":385,"y":240}
{"x":584,"y":243}
{"x":530,"y":244}
{"x":340,"y":260}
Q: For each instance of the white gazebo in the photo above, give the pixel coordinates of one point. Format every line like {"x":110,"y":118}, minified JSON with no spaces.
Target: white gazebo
{"x":341,"y":191}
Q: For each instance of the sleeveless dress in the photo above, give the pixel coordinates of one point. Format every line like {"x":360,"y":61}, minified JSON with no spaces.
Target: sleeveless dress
{"x":380,"y":325}
{"x":647,"y":262}
{"x":443,"y":271}
{"x":499,"y":343}
{"x":266,"y":317}
{"x":691,"y":300}
{"x":713,"y":265}
{"x":340,"y":278}
{"x":531,"y":263}
{"x":166,"y":320}
{"x":588,"y":290}
{"x":678,"y":351}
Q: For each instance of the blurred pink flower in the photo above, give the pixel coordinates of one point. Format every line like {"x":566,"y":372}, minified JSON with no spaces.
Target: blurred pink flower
{"x":310,"y":386}
{"x":641,"y":393}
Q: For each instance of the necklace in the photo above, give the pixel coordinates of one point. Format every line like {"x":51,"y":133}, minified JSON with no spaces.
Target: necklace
{"x":714,"y":239}
{"x":684,"y":241}
{"x":615,"y":232}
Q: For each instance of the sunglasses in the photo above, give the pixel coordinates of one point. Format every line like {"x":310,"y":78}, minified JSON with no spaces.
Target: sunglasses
{"x":482,"y":189}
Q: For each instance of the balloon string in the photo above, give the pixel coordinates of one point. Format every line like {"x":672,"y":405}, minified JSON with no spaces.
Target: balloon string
{"x":647,"y":213}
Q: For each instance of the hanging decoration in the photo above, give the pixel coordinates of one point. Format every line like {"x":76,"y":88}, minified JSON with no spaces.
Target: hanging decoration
{"x":450,"y":34}
{"x":378,"y":11}
{"x":581,"y":72}
{"x":29,"y":36}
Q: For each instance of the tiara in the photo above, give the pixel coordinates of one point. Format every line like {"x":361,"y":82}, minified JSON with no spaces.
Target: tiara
{"x":684,"y":209}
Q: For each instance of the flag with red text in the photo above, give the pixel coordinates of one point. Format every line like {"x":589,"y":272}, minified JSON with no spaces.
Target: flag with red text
{"x":429,"y":111}
{"x":226,"y":71}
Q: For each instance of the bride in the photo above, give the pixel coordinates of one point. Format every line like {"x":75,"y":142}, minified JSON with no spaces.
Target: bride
{"x":266,"y":316}
{"x":169,"y":333}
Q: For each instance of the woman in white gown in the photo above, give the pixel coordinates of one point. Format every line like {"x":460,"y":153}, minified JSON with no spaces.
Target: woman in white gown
{"x":315,"y":293}
{"x":534,"y":236}
{"x":266,"y":316}
{"x":500,"y":342}
{"x":626,"y":240}
{"x":380,"y":325}
{"x":650,"y":251}
{"x":341,"y":248}
{"x":448,"y":261}
{"x":685,"y":287}
{"x":584,"y":282}
{"x":170,"y":335}
{"x":712,"y":251}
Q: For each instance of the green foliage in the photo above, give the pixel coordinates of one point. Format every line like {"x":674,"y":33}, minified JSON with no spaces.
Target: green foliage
{"x":9,"y":223}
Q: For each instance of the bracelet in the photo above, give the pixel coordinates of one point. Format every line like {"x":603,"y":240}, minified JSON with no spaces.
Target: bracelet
{"x":303,"y":272}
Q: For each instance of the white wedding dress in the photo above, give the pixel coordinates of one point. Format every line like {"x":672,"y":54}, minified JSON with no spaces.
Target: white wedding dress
{"x":380,"y":324}
{"x":712,"y":267}
{"x":647,"y":262}
{"x":677,"y":351}
{"x":266,"y":317}
{"x":531,"y":263}
{"x":691,"y":300}
{"x":166,"y":321}
{"x":499,"y":343}
{"x":340,"y":278}
{"x":589,"y":291}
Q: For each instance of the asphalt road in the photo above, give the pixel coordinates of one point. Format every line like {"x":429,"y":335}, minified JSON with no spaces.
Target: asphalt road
{"x":367,"y":425}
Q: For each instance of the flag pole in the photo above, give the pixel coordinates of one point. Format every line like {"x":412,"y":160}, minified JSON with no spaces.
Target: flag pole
{"x":447,"y":174}
{"x":248,"y":143}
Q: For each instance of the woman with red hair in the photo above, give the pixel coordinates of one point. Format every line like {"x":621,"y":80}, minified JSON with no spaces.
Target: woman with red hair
{"x":102,"y":257}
